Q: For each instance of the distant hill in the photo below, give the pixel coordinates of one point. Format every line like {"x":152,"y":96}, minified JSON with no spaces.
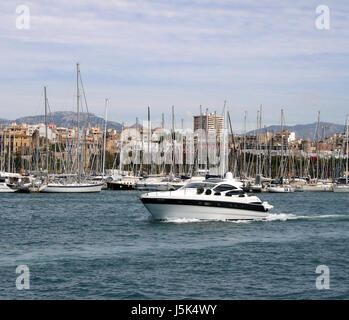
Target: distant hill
{"x":307,"y":131}
{"x":66,"y":119}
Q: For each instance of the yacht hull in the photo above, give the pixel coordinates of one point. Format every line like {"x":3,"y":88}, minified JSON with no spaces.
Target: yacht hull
{"x":280,"y":189}
{"x":117,"y":185}
{"x":83,"y":188}
{"x":318,"y":188}
{"x":341,"y":189}
{"x":167,"y":211}
{"x":5,"y":189}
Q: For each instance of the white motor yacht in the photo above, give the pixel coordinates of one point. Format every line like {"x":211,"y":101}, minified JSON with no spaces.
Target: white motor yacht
{"x":212,"y":199}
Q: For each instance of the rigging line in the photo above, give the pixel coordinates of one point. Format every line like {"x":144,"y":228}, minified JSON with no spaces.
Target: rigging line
{"x":83,"y":91}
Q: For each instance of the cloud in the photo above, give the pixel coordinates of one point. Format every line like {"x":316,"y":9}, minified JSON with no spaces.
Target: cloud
{"x":183,"y":52}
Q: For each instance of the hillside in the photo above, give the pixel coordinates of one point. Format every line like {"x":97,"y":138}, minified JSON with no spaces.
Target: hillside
{"x":66,"y":119}
{"x":307,"y":131}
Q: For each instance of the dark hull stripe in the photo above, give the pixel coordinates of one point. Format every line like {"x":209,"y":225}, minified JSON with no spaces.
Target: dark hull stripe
{"x":119,"y":186}
{"x":206,"y":203}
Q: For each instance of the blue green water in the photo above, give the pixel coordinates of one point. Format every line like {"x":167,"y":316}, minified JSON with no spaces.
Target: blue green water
{"x":105,"y":246}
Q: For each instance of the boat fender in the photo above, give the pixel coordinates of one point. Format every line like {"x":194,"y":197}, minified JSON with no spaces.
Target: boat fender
{"x":208,"y":192}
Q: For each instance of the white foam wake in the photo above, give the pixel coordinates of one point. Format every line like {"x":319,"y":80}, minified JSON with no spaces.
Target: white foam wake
{"x":270,"y":217}
{"x":290,"y":216}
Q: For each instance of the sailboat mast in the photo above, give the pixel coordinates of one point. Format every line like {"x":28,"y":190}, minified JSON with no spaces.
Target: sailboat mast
{"x":173,"y":170}
{"x":207,"y":166}
{"x":9,"y":151}
{"x":136,"y":153}
{"x":317,"y":146}
{"x":46,"y":135}
{"x":222,"y":148}
{"x":282,"y":145}
{"x":346,"y":135}
{"x":121,"y":146}
{"x":105,"y":132}
{"x":244,"y":151}
{"x":2,"y":142}
{"x":201,"y":137}
{"x":78,"y":120}
{"x":149,"y":137}
{"x":260,"y":141}
{"x":257,"y":145}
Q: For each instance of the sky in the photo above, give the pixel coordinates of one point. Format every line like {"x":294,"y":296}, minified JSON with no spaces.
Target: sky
{"x":186,"y":53}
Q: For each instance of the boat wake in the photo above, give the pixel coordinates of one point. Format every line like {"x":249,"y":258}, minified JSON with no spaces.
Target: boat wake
{"x":271,"y":217}
{"x":290,"y":216}
{"x":182,"y":220}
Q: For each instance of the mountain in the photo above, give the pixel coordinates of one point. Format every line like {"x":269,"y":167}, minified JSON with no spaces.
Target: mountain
{"x":307,"y":131}
{"x":67,"y":119}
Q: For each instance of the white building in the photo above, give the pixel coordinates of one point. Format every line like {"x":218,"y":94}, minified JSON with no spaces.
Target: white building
{"x":292,"y":137}
{"x":51,"y":135}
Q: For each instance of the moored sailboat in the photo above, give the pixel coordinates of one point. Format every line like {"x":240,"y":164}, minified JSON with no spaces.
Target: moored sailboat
{"x":342,"y":184}
{"x":78,"y":186}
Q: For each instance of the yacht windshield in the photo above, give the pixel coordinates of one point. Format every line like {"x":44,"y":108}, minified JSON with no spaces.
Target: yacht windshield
{"x":196,"y":185}
{"x":225,"y":187}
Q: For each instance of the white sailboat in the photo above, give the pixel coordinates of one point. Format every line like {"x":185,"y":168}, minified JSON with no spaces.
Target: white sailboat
{"x":344,"y":187}
{"x":281,"y":188}
{"x":74,"y":186}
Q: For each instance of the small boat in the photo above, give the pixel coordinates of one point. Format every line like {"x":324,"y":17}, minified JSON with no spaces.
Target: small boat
{"x":341,"y":188}
{"x":126,"y":183}
{"x":212,"y":199}
{"x":341,"y":185}
{"x":75,"y":187}
{"x":280,"y":185}
{"x":256,"y":188}
{"x":4,"y":188}
{"x":317,"y":187}
{"x":280,"y":189}
{"x":154,"y":184}
{"x":159,"y":184}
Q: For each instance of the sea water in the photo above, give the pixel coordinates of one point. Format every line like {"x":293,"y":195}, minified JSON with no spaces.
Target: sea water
{"x":106,"y":246}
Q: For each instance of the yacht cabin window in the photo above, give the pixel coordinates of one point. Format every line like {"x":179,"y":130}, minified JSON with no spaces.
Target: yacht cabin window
{"x":224,"y":187}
